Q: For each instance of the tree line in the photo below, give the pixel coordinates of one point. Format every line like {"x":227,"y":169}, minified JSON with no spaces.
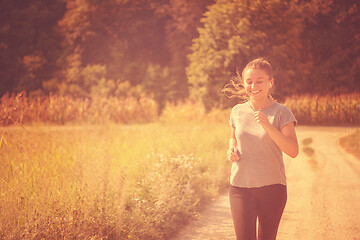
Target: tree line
{"x":175,"y":49}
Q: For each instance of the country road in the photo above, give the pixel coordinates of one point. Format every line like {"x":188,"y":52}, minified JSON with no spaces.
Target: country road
{"x":323,"y":195}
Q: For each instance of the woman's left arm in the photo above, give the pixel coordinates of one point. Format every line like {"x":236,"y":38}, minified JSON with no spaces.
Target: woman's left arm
{"x":285,"y":139}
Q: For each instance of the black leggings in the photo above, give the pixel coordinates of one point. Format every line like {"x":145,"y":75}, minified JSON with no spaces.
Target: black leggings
{"x":266,"y":203}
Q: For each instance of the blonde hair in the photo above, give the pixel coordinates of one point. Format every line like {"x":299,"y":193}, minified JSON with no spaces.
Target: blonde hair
{"x":237,"y":89}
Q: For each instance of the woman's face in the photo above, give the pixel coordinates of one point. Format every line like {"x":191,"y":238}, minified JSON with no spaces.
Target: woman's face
{"x":257,"y":83}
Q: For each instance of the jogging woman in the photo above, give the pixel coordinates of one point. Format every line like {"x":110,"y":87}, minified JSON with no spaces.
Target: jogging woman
{"x":261,"y":130}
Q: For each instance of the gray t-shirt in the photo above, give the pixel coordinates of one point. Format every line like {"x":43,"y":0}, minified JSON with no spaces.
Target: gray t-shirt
{"x":261,"y":160}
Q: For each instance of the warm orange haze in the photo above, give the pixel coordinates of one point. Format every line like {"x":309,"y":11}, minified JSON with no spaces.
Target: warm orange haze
{"x":114,"y":123}
{"x":144,"y":181}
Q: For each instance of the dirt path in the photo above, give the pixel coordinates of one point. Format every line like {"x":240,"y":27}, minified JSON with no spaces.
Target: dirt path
{"x":323,"y":195}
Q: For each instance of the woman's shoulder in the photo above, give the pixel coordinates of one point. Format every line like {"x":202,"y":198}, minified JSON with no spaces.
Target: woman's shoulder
{"x":239,"y":107}
{"x":281,"y":107}
{"x":285,"y":114}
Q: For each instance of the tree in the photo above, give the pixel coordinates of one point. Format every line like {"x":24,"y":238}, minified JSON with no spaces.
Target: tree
{"x":114,"y":33}
{"x":123,"y":36}
{"x":182,"y":18}
{"x":237,"y":31}
{"x":332,"y":40}
{"x":137,"y":41}
{"x":30,"y":43}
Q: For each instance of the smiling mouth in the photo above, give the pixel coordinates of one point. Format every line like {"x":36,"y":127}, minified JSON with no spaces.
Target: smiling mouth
{"x":255,"y":92}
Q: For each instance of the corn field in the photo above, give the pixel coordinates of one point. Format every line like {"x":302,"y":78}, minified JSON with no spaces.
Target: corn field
{"x":326,"y":110}
{"x":20,"y":109}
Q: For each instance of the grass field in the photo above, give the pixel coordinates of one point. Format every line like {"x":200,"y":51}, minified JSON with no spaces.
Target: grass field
{"x":108,"y":182}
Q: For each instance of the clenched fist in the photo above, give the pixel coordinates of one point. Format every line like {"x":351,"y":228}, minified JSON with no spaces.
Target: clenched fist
{"x":232,"y":154}
{"x":262,"y":118}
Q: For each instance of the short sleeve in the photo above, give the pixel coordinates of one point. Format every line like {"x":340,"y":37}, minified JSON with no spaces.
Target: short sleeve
{"x":286,"y":116}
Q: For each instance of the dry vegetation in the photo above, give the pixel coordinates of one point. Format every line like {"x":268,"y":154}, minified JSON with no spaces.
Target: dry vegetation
{"x":352,"y":143}
{"x":108,"y":182}
{"x":21,"y":109}
{"x":326,"y":110}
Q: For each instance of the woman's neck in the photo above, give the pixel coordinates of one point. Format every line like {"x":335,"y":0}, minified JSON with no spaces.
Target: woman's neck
{"x":261,"y":104}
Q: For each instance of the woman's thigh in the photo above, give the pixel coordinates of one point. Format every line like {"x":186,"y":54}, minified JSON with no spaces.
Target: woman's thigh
{"x":272,"y":201}
{"x":244,"y":212}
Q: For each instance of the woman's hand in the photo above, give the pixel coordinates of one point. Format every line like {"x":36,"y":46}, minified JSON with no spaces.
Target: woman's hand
{"x":285,"y":139}
{"x":232,"y":154}
{"x":261,"y":118}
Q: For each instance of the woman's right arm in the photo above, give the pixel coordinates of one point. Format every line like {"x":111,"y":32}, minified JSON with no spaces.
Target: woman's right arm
{"x":232,"y":151}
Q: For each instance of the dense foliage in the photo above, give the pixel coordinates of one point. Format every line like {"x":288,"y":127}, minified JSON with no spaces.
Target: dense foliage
{"x":88,"y":47}
{"x":313,"y":46}
{"x":234,"y":33}
{"x":170,"y":49}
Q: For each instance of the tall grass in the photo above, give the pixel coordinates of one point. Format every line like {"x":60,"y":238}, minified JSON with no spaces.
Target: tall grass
{"x":326,"y":110}
{"x":108,"y":182}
